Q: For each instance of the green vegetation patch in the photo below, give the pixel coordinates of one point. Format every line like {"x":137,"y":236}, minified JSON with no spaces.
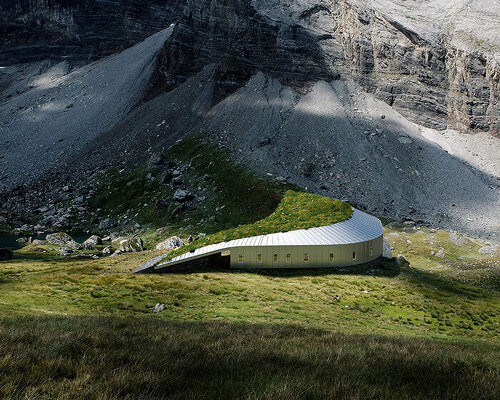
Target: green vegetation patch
{"x":427,"y":296}
{"x":296,"y":210}
{"x":232,"y":195}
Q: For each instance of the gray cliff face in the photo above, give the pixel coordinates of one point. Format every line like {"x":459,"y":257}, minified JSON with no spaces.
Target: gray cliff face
{"x":233,"y":32}
{"x":424,"y":76}
{"x":80,"y":30}
{"x":436,"y":63}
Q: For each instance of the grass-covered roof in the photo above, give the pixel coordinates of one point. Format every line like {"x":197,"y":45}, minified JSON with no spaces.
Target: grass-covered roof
{"x":297,"y":210}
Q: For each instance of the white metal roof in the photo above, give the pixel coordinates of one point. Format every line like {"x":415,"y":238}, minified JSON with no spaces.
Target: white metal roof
{"x":361,"y":227}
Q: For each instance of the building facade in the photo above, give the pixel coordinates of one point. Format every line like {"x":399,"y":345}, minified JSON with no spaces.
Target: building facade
{"x":354,"y":241}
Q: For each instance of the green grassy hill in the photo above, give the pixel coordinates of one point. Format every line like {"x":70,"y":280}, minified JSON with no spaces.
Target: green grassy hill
{"x":419,"y":327}
{"x":132,"y":358}
{"x":426,"y":328}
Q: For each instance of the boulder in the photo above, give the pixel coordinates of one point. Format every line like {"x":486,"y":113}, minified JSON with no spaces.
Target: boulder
{"x":405,"y":140}
{"x":131,"y":245}
{"x":6,"y":254}
{"x":107,"y":224}
{"x":170,"y":243}
{"x":161,"y":204}
{"x":177,"y":182}
{"x":37,"y":242}
{"x":156,"y":161}
{"x":264,"y":141}
{"x":457,"y":239}
{"x":106,"y":251}
{"x":488,"y":250}
{"x":386,"y":249}
{"x":440,"y":253}
{"x":94,"y":240}
{"x":158,"y":307}
{"x":64,"y":240}
{"x":182,"y":195}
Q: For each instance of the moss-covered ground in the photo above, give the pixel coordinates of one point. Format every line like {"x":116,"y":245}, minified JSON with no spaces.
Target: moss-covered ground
{"x":232,"y":195}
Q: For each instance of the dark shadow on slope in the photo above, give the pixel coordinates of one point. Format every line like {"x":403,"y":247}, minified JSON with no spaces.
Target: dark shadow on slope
{"x":375,"y":173}
{"x":237,"y":34}
{"x":439,"y":287}
{"x":144,"y":358}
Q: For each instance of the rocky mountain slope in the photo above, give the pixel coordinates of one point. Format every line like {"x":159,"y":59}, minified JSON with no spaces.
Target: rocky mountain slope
{"x":63,"y":111}
{"x":433,"y":62}
{"x":392,"y":107}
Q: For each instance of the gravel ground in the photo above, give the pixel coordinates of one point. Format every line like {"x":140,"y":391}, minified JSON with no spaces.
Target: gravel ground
{"x":60,"y":113}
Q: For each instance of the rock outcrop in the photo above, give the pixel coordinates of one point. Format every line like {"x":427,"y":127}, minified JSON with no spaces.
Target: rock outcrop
{"x":170,"y":243}
{"x":418,"y":68}
{"x":64,"y":240}
{"x":131,"y":245}
{"x":80,"y":30}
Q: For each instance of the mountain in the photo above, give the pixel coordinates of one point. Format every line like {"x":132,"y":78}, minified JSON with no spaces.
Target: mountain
{"x":393,"y":107}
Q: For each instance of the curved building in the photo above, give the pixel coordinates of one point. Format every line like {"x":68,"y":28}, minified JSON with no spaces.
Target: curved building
{"x":354,"y":241}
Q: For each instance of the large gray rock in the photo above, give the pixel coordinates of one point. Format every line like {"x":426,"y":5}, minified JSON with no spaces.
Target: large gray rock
{"x":107,"y":224}
{"x":440,"y":253}
{"x":158,"y":307}
{"x":386,"y":249}
{"x":106,"y":251}
{"x":131,"y":245}
{"x":94,"y":240}
{"x":490,"y":250}
{"x":64,"y":240}
{"x":182,"y":195}
{"x":170,"y":243}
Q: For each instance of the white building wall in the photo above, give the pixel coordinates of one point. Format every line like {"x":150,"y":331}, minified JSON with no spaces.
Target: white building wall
{"x":319,"y":255}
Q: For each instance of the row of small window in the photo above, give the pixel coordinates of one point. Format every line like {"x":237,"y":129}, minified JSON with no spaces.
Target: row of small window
{"x":288,"y":257}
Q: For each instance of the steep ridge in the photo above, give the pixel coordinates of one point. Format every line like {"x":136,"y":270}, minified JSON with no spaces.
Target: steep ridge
{"x":61,"y":113}
{"x":336,"y":140}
